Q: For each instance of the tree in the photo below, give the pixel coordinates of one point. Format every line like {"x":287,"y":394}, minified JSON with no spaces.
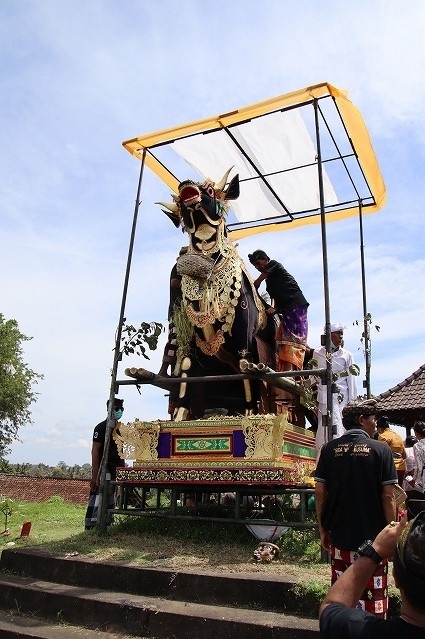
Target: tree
{"x":16,"y":384}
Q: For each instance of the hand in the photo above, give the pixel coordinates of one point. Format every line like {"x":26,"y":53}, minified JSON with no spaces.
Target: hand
{"x":271,"y":311}
{"x":325,"y":539}
{"x":93,"y":485}
{"x":385,"y":541}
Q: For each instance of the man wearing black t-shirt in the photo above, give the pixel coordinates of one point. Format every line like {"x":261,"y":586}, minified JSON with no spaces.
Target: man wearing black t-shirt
{"x":404,"y":543}
{"x":113,"y":461}
{"x":355,"y":478}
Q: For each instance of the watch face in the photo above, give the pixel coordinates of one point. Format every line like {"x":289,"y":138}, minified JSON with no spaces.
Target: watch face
{"x":367,"y":550}
{"x":365,"y":545}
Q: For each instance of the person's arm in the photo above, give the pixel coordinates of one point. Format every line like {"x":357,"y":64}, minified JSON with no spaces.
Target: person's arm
{"x":410,"y":470}
{"x":95,"y":465}
{"x":388,"y":502}
{"x":320,"y":495}
{"x":416,"y":467}
{"x":260,"y":279}
{"x":350,"y":585}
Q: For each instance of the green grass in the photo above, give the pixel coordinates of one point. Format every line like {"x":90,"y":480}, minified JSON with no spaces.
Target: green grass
{"x":52,"y":520}
{"x":57,"y":527}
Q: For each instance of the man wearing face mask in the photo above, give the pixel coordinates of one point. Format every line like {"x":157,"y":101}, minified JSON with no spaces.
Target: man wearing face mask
{"x":114,"y":460}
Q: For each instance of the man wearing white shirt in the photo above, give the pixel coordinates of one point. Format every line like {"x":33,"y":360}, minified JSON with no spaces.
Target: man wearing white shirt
{"x":343,"y":374}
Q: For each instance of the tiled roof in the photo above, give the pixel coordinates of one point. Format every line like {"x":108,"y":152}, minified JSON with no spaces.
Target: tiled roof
{"x":405,"y":402}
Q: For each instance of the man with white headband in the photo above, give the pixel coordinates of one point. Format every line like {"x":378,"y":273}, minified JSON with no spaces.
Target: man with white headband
{"x":343,"y":372}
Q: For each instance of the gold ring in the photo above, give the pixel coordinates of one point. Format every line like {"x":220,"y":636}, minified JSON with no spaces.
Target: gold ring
{"x":393,"y":523}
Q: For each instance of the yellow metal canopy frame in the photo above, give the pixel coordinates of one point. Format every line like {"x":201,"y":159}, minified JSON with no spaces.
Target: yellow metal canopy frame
{"x":262,"y":141}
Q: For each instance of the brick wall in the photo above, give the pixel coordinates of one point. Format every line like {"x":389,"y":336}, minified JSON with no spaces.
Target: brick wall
{"x":41,"y":488}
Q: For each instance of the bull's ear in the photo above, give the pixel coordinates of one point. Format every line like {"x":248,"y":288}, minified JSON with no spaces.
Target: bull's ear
{"x":174,"y":217}
{"x":232,"y":191}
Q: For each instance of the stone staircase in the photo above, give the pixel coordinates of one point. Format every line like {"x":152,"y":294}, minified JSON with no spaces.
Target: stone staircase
{"x":65,"y":598}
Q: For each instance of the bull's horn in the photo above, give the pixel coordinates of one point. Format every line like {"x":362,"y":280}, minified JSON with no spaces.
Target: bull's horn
{"x":171,"y":206}
{"x":220,"y":186}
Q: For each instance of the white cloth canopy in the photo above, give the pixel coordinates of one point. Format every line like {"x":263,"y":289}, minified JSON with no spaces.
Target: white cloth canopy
{"x":266,"y":142}
{"x":275,"y":146}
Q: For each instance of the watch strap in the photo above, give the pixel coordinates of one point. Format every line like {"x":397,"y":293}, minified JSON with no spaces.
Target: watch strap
{"x":367,"y":550}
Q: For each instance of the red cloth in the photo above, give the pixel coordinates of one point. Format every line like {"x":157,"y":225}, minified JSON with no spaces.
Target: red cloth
{"x":374,"y":598}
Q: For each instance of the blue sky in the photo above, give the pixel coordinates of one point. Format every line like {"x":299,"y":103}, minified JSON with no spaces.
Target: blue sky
{"x":80,"y":77}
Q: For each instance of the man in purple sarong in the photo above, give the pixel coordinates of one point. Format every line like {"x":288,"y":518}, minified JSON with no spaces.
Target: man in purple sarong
{"x":290,"y":305}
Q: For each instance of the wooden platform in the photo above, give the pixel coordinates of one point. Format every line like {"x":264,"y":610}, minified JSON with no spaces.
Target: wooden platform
{"x":257,"y":450}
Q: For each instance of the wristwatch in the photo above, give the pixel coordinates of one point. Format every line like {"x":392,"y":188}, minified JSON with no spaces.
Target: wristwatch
{"x":367,"y":550}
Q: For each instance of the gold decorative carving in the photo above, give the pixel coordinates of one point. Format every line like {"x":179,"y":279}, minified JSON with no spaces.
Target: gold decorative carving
{"x":137,"y":440}
{"x":264,"y":437}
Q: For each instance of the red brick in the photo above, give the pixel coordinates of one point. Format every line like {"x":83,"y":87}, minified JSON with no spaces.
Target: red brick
{"x":40,"y":489}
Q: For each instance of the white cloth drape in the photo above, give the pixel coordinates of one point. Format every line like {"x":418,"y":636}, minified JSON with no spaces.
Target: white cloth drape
{"x":279,"y":142}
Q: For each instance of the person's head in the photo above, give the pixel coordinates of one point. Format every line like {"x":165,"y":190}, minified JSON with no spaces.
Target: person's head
{"x":118,"y":407}
{"x":409,"y":562}
{"x":419,"y":429}
{"x":410,"y":441}
{"x":337,"y":334}
{"x":360,"y":414}
{"x":382,"y":423}
{"x":259,"y":259}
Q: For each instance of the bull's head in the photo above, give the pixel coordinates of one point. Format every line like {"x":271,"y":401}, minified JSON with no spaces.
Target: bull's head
{"x":200,"y":208}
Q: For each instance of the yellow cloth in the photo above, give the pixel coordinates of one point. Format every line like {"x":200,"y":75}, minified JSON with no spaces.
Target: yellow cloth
{"x":395,"y":442}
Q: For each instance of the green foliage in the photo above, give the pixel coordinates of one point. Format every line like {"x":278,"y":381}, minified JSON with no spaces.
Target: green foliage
{"x":43,"y":470}
{"x":300,"y":545}
{"x":164,"y":497}
{"x":135,"y":340}
{"x":6,"y":508}
{"x":16,"y":384}
{"x":184,"y":331}
{"x":368,"y":321}
{"x":365,"y":339}
{"x":205,"y":532}
{"x":394,"y":607}
{"x":308,"y":596}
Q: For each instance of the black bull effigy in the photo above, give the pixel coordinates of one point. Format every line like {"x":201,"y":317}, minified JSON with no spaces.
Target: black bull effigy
{"x":219,"y":302}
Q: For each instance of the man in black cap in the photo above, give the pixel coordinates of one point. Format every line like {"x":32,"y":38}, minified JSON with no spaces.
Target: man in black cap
{"x":113,"y":461}
{"x":355,"y":477}
{"x":404,"y":542}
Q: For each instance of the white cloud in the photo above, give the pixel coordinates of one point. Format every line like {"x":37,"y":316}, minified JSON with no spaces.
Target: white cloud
{"x":78,"y":78}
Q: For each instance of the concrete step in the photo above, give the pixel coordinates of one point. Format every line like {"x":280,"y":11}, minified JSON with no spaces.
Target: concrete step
{"x":245,"y":590}
{"x":15,"y":625}
{"x":145,"y":616}
{"x":151,"y":602}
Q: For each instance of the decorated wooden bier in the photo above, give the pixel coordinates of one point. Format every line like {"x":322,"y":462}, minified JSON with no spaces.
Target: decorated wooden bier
{"x":259,"y":450}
